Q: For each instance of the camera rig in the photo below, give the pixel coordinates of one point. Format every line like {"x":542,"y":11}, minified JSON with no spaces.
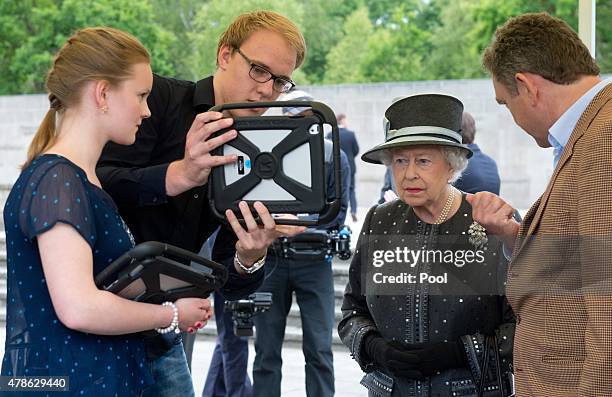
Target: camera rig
{"x":315,"y":245}
{"x":312,"y":244}
{"x":243,"y":311}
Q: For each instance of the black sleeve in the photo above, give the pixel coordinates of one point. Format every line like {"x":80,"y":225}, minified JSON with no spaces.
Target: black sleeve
{"x":126,"y":172}
{"x":356,"y":320}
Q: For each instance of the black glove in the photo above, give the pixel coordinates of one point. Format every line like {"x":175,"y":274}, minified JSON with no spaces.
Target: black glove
{"x":390,"y":356}
{"x":437,"y":356}
{"x":415,"y":361}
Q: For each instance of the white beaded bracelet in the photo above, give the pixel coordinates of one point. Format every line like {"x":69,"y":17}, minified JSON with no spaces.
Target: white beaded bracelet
{"x":175,"y":321}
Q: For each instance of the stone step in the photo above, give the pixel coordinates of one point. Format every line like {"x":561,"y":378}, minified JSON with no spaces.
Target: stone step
{"x":292,"y":333}
{"x":4,"y":192}
{"x":341,"y":271}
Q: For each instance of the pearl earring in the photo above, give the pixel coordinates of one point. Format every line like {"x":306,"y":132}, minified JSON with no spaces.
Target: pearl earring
{"x":104,"y":109}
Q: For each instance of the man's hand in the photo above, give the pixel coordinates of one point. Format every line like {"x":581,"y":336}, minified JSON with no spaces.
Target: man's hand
{"x":254,"y":241}
{"x":195,"y":167}
{"x":495,"y":215}
{"x":389,"y":195}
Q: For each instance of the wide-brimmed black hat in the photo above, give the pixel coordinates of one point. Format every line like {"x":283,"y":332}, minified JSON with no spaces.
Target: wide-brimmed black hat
{"x":425,"y":119}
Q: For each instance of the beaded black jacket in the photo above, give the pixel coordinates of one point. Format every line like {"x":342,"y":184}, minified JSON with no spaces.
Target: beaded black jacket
{"x":461,"y":301}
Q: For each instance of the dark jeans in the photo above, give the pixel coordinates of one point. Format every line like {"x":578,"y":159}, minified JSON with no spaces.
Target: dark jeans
{"x":227,"y":374}
{"x":312,"y":283}
{"x":352,"y":196}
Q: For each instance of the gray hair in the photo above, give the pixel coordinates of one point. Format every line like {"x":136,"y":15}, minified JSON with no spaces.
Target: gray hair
{"x":454,"y":156}
{"x":457,"y":159}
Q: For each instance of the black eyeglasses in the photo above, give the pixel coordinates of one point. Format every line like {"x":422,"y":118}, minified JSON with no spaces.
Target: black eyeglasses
{"x":263,"y":75}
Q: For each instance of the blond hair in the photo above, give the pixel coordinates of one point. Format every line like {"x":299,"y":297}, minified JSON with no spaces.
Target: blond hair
{"x":244,"y":25}
{"x":90,"y":54}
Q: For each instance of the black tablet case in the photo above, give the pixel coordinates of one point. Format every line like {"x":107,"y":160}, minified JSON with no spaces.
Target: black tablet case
{"x":268,"y":165}
{"x":154,"y":272}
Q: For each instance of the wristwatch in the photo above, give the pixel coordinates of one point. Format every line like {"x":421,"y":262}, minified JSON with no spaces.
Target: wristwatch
{"x":253,"y":268}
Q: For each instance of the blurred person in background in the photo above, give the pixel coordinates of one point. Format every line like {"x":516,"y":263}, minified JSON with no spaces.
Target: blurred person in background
{"x":481,"y":174}
{"x":349,"y":145}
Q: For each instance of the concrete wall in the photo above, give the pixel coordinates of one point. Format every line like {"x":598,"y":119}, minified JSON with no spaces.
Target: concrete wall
{"x":20,"y":116}
{"x":524,"y":167}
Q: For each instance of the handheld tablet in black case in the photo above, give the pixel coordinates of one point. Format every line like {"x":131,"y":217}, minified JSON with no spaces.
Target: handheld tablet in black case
{"x":280,"y":163}
{"x":154,"y":272}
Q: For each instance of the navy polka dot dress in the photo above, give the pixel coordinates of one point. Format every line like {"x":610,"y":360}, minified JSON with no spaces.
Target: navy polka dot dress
{"x":50,"y":190}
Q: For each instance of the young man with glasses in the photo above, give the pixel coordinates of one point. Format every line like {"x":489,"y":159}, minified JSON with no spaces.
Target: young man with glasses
{"x":262,"y":75}
{"x":160,"y":182}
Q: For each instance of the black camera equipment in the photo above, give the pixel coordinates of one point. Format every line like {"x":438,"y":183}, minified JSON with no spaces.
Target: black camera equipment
{"x":280,"y":163}
{"x":316,"y":245}
{"x":243,"y":311}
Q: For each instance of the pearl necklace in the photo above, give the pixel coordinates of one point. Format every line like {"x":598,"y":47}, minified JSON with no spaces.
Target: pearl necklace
{"x":447,"y":207}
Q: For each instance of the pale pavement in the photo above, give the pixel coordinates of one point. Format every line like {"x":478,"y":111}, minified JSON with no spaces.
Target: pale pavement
{"x":347,"y":372}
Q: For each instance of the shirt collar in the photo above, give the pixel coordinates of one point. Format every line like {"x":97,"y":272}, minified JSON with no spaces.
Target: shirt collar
{"x":204,"y":94}
{"x":559,"y":133}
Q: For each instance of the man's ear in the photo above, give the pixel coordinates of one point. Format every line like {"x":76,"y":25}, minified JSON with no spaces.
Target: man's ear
{"x":223,"y":56}
{"x":526,"y":84}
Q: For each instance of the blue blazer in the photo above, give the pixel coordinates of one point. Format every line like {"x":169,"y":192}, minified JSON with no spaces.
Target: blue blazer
{"x":480,"y":175}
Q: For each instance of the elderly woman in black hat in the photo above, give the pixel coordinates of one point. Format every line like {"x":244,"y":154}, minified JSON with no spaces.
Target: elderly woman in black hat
{"x":424,"y":312}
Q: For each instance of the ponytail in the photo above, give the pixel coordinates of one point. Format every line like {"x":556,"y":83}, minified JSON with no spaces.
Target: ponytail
{"x":44,"y":137}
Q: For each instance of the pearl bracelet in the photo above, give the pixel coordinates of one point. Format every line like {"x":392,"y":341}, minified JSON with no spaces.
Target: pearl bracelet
{"x":175,"y":321}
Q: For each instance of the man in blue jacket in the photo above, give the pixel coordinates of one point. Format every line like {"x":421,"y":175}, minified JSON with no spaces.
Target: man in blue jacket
{"x":481,"y":173}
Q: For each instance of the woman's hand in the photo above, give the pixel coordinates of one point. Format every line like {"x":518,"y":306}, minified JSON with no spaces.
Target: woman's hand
{"x":193,"y":313}
{"x":414,"y":361}
{"x":390,"y":356}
